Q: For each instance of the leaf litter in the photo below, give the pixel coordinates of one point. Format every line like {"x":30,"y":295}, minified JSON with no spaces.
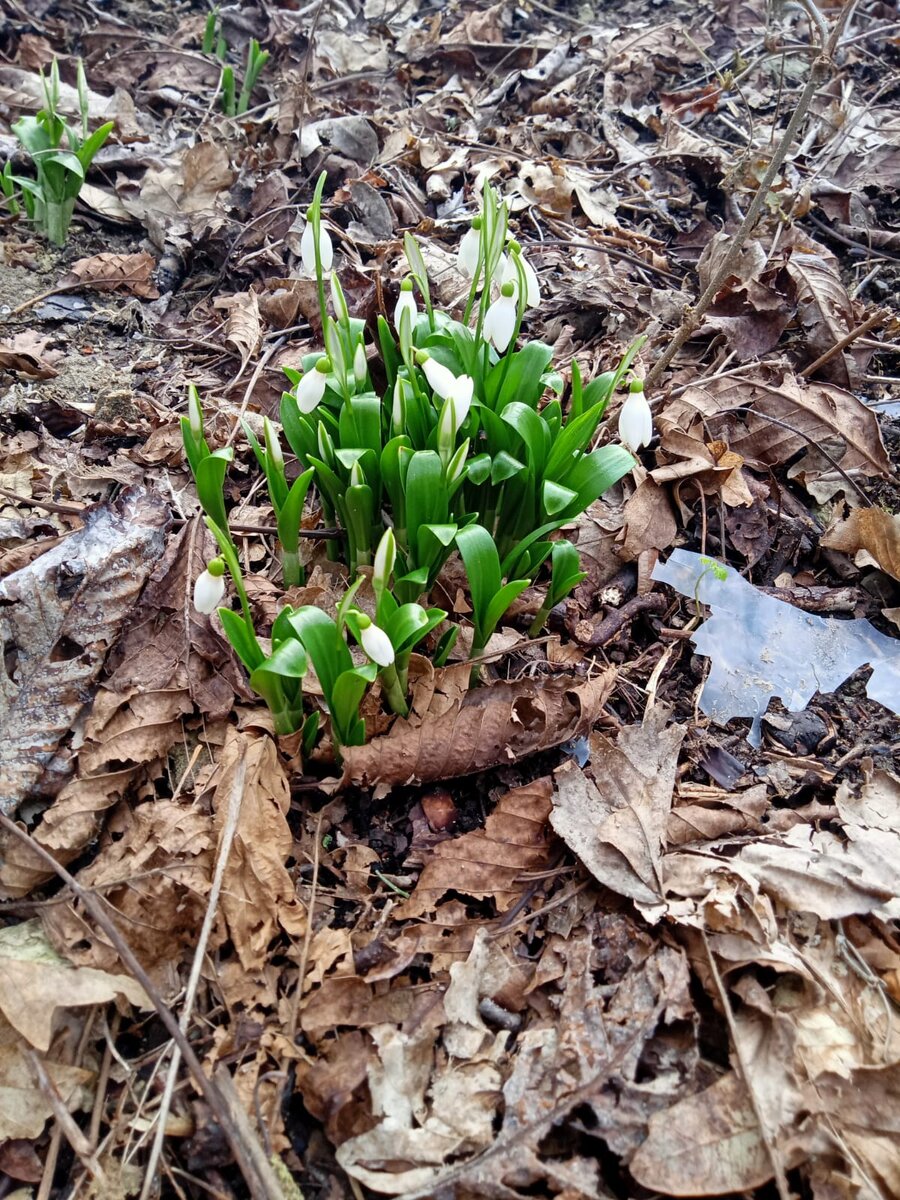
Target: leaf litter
{"x":468,"y":963}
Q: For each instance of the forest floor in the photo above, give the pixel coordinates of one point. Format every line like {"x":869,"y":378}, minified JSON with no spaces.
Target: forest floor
{"x":623,"y":922}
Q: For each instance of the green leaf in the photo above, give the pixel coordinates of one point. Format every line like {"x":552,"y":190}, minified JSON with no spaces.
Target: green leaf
{"x":478,"y":469}
{"x":410,"y":624}
{"x":243,"y":641}
{"x":324,"y":644}
{"x":533,"y":432}
{"x":482,"y":563}
{"x":518,"y":377}
{"x":555,"y":498}
{"x":505,"y":467}
{"x":290,"y":518}
{"x":210,"y":479}
{"x":572,"y":440}
{"x":348,"y":727}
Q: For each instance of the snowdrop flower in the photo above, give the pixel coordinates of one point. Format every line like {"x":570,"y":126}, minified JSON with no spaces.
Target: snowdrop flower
{"x":273,"y":446}
{"x":311,"y":387}
{"x":532,"y":287}
{"x":440,"y":378}
{"x":460,"y":396}
{"x":375,"y":642}
{"x":446,"y":434}
{"x":398,"y":407}
{"x":385,"y":557}
{"x":360,"y":365}
{"x":195,"y":413}
{"x":210,"y":587}
{"x":308,"y":249}
{"x":635,"y":419}
{"x":500,"y":321}
{"x":338,"y":299}
{"x":469,"y":249}
{"x":406,"y":304}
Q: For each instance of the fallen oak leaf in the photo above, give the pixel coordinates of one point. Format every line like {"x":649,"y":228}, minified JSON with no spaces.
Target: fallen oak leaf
{"x":871,"y":530}
{"x":484,"y":728}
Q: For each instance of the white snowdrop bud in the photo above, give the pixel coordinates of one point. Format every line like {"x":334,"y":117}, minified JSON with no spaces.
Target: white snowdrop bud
{"x":636,"y":419}
{"x":311,"y":387}
{"x":500,"y":320}
{"x":375,"y":642}
{"x":210,"y":587}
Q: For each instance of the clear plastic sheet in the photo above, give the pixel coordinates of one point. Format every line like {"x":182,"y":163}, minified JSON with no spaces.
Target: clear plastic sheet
{"x":761,"y":648}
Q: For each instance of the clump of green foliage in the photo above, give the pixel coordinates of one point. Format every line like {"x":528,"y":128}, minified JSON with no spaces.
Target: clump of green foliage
{"x":61,"y":155}
{"x":234,"y":103}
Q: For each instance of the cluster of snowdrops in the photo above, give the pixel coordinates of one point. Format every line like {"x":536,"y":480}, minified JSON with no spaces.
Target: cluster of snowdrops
{"x":461,"y":452}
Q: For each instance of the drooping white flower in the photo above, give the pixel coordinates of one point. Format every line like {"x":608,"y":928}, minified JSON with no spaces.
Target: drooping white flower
{"x":360,"y":365}
{"x":460,"y":397}
{"x":311,"y":387}
{"x":376,"y":644}
{"x":500,"y":319}
{"x":511,"y":275}
{"x":636,"y":419}
{"x":469,"y":247}
{"x":405,"y":304}
{"x":210,"y":587}
{"x":440,"y":378}
{"x":308,"y":249}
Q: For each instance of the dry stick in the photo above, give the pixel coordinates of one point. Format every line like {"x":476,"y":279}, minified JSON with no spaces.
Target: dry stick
{"x":693,"y":314}
{"x":228,"y":832}
{"x":877,"y":318}
{"x":260,"y":1187}
{"x":774,"y":1154}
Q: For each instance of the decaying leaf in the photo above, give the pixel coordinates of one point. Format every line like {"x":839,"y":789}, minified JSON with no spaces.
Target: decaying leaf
{"x":616,"y":823}
{"x":484,"y":728}
{"x":113,"y":272}
{"x":24,"y":1106}
{"x":871,"y":531}
{"x":26,"y":354}
{"x":823,"y":305}
{"x":59,"y":618}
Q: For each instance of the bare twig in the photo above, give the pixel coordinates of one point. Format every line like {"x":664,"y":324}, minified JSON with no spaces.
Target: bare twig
{"x":877,"y":318}
{"x":694,"y":313}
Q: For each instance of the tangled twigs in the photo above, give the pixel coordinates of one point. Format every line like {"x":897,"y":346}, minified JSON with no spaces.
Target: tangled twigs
{"x":261,"y":1183}
{"x":693,"y":314}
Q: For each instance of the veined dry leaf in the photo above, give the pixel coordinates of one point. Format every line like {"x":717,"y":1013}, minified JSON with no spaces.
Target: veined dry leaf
{"x":705,"y":1145}
{"x":649,"y":521}
{"x":817,"y":410}
{"x":59,"y":617}
{"x":871,"y":530}
{"x":258,"y":894}
{"x":752,"y":308}
{"x":118,"y":273}
{"x":487,"y":862}
{"x":243,"y":329}
{"x":616,"y":823}
{"x":485,"y":728}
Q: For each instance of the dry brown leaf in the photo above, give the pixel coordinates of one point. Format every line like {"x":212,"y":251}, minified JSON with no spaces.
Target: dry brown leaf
{"x":153,"y":867}
{"x":59,"y":617}
{"x":871,"y":530}
{"x":487,"y":862}
{"x":649,"y":521}
{"x":484,"y":728}
{"x":118,"y":273}
{"x":817,"y":410}
{"x":258,"y":893}
{"x":823,"y":305}
{"x":617,"y":822}
{"x":35,"y":981}
{"x":705,"y":1145}
{"x":26,"y":354}
{"x":243,"y":329}
{"x":752,"y":308}
{"x":24,"y":1107}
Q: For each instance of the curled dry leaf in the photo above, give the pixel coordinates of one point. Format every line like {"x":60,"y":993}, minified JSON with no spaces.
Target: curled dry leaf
{"x":487,"y":862}
{"x":871,"y":530}
{"x":243,"y":328}
{"x":616,"y":823}
{"x":26,"y":354}
{"x":118,"y":273}
{"x":484,"y":728}
{"x":60,"y":615}
{"x":823,"y":305}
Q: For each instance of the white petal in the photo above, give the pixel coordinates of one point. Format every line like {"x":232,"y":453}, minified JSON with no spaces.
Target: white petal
{"x":208,"y":592}
{"x":308,"y":249}
{"x":377,"y":645}
{"x":385,"y":557}
{"x":326,"y":250}
{"x":533,"y":288}
{"x":467,"y":255}
{"x":440,"y":378}
{"x":635,"y":422}
{"x":500,"y":322}
{"x":310,"y":390}
{"x":461,"y":396}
